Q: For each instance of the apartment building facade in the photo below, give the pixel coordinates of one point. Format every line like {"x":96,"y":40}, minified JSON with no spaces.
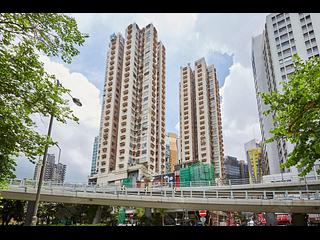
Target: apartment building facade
{"x":200,"y":117}
{"x":173,"y":151}
{"x":94,"y":156}
{"x":132,"y":133}
{"x":285,"y":34}
{"x":52,"y":171}
{"x":232,"y":167}
{"x":254,"y":157}
{"x":244,"y":173}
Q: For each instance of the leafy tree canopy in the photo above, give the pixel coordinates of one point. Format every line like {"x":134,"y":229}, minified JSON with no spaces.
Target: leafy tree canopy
{"x":25,"y":87}
{"x":297,"y":114}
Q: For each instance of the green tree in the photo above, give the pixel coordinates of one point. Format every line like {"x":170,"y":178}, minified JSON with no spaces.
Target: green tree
{"x":161,"y":212}
{"x":139,"y":213}
{"x":26,"y":88}
{"x":47,"y":212}
{"x":297,"y":114}
{"x":12,"y":209}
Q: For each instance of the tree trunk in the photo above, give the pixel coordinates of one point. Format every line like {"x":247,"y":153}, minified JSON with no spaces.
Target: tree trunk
{"x":8,"y":220}
{"x":162,"y":220}
{"x":30,"y":207}
{"x":97,"y":217}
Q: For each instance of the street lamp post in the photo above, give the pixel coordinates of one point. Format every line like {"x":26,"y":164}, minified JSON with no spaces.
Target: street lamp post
{"x":36,"y":204}
{"x":307,"y":189}
{"x":59,"y":152}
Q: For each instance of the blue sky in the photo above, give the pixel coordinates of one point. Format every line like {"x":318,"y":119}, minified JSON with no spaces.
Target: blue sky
{"x":223,"y":39}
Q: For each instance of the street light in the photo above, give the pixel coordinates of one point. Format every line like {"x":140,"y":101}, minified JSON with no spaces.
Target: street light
{"x":59,"y":152}
{"x":36,"y":204}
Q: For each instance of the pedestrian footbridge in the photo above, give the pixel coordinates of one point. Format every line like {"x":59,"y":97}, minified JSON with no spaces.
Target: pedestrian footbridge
{"x":269,"y":200}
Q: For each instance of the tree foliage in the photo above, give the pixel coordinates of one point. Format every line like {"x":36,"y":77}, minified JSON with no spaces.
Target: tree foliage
{"x":12,"y":210}
{"x":297,"y":114}
{"x":26,"y":88}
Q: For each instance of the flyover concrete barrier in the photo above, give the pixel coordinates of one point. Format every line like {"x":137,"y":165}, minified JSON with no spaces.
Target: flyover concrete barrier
{"x":297,"y":201}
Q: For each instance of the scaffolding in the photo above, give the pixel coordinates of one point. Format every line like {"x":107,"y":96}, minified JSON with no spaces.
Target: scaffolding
{"x":197,"y":174}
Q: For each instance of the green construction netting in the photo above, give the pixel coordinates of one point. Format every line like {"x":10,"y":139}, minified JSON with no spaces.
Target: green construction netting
{"x":121,"y":216}
{"x":198,"y":174}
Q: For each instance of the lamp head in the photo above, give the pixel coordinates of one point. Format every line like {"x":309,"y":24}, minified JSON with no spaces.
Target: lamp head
{"x":77,"y":102}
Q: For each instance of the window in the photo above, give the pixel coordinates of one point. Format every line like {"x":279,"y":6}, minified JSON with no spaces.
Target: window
{"x":282,"y":29}
{"x":287,"y":51}
{"x":281,"y":22}
{"x":286,"y":43}
{"x":307,"y":43}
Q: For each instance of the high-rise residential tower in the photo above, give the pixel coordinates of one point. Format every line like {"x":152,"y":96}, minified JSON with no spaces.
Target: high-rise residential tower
{"x":94,"y":156}
{"x":285,"y":34}
{"x":132,"y":133}
{"x":59,"y":172}
{"x":48,"y":169}
{"x":200,"y":117}
{"x":52,"y":171}
{"x":173,"y":150}
{"x":254,"y":159}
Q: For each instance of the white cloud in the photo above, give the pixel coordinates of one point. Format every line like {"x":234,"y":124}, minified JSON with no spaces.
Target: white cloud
{"x":75,"y":140}
{"x":230,"y":33}
{"x":239,"y":110}
{"x":177,"y":127}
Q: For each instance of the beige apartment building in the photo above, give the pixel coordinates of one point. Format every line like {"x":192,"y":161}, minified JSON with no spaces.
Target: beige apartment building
{"x":173,"y":151}
{"x":200,"y":117}
{"x":132,"y":132}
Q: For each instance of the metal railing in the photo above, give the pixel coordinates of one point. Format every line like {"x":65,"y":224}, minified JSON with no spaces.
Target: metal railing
{"x":188,"y":184}
{"x":100,"y":191}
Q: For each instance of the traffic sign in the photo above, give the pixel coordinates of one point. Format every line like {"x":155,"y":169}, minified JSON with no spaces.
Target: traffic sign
{"x":203,"y":213}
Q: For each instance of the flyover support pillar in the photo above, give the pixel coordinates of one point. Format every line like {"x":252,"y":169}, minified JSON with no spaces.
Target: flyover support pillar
{"x":299,"y":219}
{"x":271,"y":219}
{"x":97,"y":217}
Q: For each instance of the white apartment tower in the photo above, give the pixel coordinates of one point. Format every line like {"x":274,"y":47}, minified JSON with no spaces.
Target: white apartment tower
{"x":200,"y":117}
{"x":132,"y":133}
{"x":285,"y":34}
